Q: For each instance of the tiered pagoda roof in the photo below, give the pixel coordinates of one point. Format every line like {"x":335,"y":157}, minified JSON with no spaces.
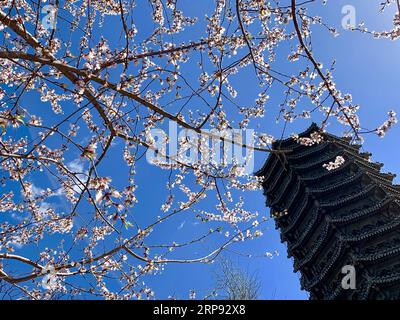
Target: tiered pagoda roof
{"x":346,"y":216}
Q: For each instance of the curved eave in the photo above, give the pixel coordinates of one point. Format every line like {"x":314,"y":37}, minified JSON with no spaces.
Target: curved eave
{"x":263,"y":170}
{"x":371,"y":282}
{"x":334,"y":205}
{"x":269,"y":185}
{"x":294,"y":218}
{"x":310,"y":284}
{"x":328,"y":189}
{"x":346,"y":239}
{"x":278,"y":145}
{"x":337,"y":185}
{"x":362,"y":213}
{"x":319,"y":161}
{"x":326,"y":173}
{"x":384,"y":254}
{"x":341,"y":220}
{"x":341,"y":243}
{"x":343,"y":201}
{"x":379,"y":280}
{"x":312,"y":128}
{"x":308,"y":152}
{"x":284,"y":188}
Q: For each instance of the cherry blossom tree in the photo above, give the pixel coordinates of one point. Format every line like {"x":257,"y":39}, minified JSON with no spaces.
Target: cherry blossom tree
{"x":104,"y":80}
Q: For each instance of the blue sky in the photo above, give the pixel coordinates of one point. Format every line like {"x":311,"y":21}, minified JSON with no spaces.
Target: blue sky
{"x":369,"y":70}
{"x":366,"y":68}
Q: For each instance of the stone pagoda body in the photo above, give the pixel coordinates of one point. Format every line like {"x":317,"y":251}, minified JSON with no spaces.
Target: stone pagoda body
{"x":348,"y":216}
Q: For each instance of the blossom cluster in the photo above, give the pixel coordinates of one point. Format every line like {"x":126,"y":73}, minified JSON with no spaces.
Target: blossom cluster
{"x":333,"y":165}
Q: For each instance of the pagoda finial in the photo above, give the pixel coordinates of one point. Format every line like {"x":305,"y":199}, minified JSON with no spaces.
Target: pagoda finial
{"x":314,"y":126}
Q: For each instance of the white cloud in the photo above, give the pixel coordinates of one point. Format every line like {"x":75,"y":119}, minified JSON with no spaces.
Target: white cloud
{"x":76,"y":166}
{"x":181,"y":225}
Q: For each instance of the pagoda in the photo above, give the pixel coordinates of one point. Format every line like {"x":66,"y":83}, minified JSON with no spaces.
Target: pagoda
{"x":345,"y":216}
